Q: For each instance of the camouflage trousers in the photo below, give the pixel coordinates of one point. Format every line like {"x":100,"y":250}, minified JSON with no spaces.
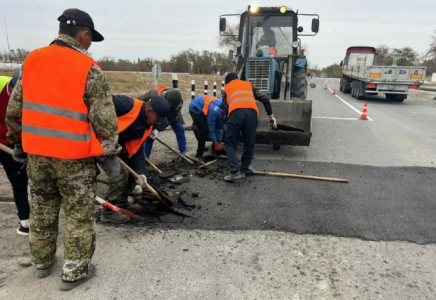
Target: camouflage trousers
{"x":72,"y":183}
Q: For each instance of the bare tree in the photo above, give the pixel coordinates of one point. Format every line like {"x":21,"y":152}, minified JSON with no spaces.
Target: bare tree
{"x":229,"y":36}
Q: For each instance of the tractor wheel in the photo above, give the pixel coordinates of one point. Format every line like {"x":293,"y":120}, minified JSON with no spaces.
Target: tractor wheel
{"x":299,"y":83}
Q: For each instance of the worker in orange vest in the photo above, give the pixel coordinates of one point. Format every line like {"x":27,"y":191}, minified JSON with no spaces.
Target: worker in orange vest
{"x":62,"y":115}
{"x":240,"y":97}
{"x":175,"y":119}
{"x":136,"y":119}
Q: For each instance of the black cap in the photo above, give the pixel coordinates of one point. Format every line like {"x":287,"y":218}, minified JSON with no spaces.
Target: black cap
{"x":77,"y":17}
{"x":173,"y":96}
{"x":230,"y":77}
{"x":14,"y":79}
{"x":162,"y":109}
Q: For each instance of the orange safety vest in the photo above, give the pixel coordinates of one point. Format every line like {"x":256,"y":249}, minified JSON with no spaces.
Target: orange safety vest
{"x":55,"y":116}
{"x":160,"y":89}
{"x":240,"y":95}
{"x":126,"y":120}
{"x":207,"y":101}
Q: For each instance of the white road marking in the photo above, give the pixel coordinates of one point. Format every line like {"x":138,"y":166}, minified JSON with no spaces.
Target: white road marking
{"x":349,"y":105}
{"x":336,"y":118}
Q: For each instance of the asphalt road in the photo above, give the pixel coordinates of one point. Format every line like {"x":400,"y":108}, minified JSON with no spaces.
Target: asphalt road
{"x":277,"y":238}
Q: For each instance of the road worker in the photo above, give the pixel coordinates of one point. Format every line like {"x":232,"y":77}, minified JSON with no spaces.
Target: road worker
{"x":240,"y":99}
{"x":135,"y":123}
{"x":61,"y":114}
{"x":15,"y":171}
{"x":209,"y":119}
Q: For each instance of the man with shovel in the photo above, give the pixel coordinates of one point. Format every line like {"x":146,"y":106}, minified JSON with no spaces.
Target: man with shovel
{"x":136,"y":119}
{"x":61,"y":114}
{"x":240,"y":99}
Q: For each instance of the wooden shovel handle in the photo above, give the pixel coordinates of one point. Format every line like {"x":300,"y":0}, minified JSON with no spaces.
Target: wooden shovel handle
{"x":149,"y":187}
{"x":6,"y":149}
{"x":302,"y":176}
{"x":152,"y":165}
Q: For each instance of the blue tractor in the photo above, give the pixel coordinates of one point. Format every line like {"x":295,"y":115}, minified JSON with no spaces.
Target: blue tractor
{"x":268,"y":54}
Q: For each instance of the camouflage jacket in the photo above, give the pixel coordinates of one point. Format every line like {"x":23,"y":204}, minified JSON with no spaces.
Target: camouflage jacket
{"x":97,"y":97}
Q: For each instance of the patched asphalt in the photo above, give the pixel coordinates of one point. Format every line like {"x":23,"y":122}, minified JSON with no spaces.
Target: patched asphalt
{"x":379,"y":203}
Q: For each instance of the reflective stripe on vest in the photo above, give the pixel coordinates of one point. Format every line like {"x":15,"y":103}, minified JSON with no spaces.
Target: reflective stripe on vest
{"x":126,"y":120}
{"x":207,"y":101}
{"x":55,"y":116}
{"x":240,"y":95}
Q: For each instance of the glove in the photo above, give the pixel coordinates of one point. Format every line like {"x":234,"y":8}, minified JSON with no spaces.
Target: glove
{"x":217,"y":147}
{"x":141,"y":181}
{"x":113,"y":166}
{"x":19,"y":155}
{"x":137,"y":190}
{"x":272,"y":121}
{"x":154,"y":134}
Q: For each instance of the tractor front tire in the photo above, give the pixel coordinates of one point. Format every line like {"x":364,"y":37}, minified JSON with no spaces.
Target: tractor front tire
{"x":299,"y":83}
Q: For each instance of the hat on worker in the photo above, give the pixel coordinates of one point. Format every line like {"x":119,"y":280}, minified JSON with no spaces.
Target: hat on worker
{"x":230,"y":77}
{"x":77,"y":17}
{"x":162,"y":109}
{"x":14,"y":79}
{"x":173,"y":96}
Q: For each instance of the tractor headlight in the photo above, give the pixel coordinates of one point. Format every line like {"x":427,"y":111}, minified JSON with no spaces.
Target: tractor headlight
{"x":254,"y":9}
{"x":295,"y":44}
{"x":238,"y":44}
{"x":283,"y":9}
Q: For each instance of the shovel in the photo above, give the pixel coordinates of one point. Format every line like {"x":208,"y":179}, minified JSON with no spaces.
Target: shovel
{"x":170,"y":205}
{"x":297,"y":176}
{"x":203,"y":164}
{"x":163,"y":175}
{"x":175,"y":151}
{"x":99,"y":200}
{"x":118,"y":210}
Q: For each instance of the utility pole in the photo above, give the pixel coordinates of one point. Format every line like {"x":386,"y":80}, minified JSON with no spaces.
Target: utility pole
{"x":7,"y":39}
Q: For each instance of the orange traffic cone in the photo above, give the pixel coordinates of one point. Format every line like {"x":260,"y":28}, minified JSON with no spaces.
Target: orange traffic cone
{"x":325,"y":86}
{"x":364,"y":115}
{"x":334,"y":91}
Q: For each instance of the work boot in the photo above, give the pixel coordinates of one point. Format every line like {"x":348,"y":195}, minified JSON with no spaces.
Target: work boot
{"x":234,"y":176}
{"x":41,"y":273}
{"x":69,"y":285}
{"x":24,"y":228}
{"x":113,"y":217}
{"x":132,"y":207}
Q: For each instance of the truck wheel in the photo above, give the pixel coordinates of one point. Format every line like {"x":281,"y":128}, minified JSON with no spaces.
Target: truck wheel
{"x":360,"y":91}
{"x":276,"y":147}
{"x":299,"y":83}
{"x":353,"y":91}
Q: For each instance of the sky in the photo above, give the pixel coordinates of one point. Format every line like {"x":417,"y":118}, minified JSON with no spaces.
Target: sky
{"x":159,"y":29}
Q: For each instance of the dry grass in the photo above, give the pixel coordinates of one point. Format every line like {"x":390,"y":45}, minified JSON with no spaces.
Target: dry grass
{"x":135,"y":84}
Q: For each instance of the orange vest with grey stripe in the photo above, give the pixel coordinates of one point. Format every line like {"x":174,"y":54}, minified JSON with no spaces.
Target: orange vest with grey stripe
{"x":55,"y":118}
{"x":126,"y":120}
{"x":240,"y":95}
{"x":207,"y":101}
